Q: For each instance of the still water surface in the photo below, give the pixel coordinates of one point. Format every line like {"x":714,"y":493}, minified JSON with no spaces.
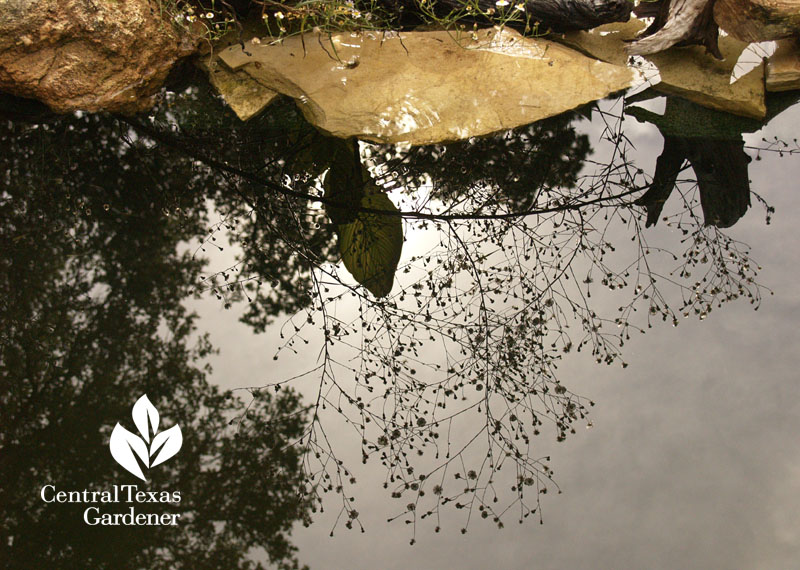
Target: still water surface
{"x":594,"y":304}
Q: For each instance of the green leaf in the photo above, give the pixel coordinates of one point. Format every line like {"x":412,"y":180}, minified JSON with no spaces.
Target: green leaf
{"x":371,"y":245}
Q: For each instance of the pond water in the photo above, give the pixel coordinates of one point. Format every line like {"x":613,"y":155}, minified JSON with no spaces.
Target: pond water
{"x":587,"y":322}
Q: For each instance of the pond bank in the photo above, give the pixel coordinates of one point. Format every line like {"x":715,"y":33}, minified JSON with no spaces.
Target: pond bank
{"x":73,"y":56}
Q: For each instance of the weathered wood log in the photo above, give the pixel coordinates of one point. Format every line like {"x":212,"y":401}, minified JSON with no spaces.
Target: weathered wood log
{"x":678,"y":23}
{"x":758,"y":20}
{"x":562,"y":15}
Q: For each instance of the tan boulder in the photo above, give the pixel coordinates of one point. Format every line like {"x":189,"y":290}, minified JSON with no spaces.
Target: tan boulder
{"x":783,"y":68}
{"x":426,"y":87}
{"x":80,"y":54}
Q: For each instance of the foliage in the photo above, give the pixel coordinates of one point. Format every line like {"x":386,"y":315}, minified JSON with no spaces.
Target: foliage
{"x":370,"y":242}
{"x":214,"y":19}
{"x":290,"y":17}
{"x":209,"y":19}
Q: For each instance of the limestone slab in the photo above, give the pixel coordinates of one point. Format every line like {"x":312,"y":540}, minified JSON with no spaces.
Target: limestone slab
{"x":693,"y":74}
{"x":688,"y":72}
{"x":426,"y":87}
{"x":783,"y":68}
{"x":607,"y":42}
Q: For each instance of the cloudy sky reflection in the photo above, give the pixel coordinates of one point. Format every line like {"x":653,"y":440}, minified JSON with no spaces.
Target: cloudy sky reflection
{"x":693,"y":459}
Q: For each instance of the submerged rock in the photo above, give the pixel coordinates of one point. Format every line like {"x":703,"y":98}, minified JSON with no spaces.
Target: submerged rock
{"x":244,"y":95}
{"x":94,"y":56}
{"x":426,"y":87}
{"x":783,"y":68}
{"x":688,"y":72}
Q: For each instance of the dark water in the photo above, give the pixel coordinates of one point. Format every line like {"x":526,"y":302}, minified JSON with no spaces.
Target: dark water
{"x":184,"y":254}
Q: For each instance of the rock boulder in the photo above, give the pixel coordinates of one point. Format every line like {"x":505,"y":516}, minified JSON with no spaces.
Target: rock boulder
{"x":88,"y":55}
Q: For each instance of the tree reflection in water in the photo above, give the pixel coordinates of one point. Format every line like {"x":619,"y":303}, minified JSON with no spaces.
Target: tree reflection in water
{"x":92,"y":287}
{"x":516,"y":245}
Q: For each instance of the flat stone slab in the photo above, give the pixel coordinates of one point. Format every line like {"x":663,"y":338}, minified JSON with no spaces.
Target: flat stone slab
{"x":607,"y":42}
{"x":688,"y":72}
{"x":695,"y":75}
{"x":783,"y":68}
{"x":426,"y":87}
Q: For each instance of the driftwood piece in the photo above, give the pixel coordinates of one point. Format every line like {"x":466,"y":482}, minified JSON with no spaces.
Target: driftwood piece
{"x":668,"y":166}
{"x":758,"y":20}
{"x":677,"y":23}
{"x":697,"y":22}
{"x":561,"y":15}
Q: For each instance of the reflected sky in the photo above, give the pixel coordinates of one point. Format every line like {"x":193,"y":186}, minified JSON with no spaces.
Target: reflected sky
{"x":688,"y":458}
{"x":691,"y":460}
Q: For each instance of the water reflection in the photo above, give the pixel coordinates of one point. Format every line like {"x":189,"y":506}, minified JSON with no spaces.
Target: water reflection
{"x":711,"y":143}
{"x":515,"y":247}
{"x":92,"y":317}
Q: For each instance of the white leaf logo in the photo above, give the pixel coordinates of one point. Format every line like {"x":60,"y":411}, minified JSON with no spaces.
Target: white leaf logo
{"x":145,"y":416}
{"x":123,"y":444}
{"x":132,"y":451}
{"x":167,"y":444}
